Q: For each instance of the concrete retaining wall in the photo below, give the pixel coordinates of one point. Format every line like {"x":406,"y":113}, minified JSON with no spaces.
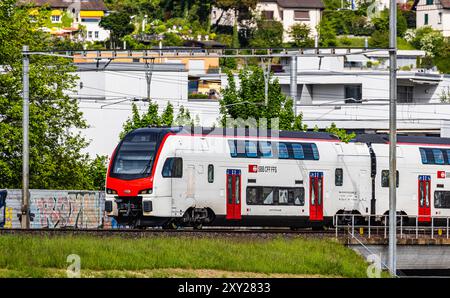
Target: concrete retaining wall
{"x":56,"y":209}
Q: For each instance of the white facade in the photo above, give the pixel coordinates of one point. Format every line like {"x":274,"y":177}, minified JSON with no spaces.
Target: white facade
{"x":433,"y":13}
{"x":287,"y":17}
{"x":93,"y":30}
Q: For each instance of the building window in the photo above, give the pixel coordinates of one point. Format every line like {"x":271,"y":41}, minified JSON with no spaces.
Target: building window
{"x":353,"y":92}
{"x":301,"y":15}
{"x":405,"y":94}
{"x":385,"y":178}
{"x":267,"y":14}
{"x":440,"y":18}
{"x":56,"y":19}
{"x":425,"y":21}
{"x":429,"y":2}
{"x":96,"y":34}
{"x":89,"y":34}
{"x":339,"y":177}
{"x":210,"y":173}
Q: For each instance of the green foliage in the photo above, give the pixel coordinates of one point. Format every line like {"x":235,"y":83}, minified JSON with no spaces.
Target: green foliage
{"x":379,"y":39}
{"x":150,"y":118}
{"x":249,"y":101}
{"x":327,"y":34}
{"x":301,"y":256}
{"x":340,"y":133}
{"x":268,"y":34}
{"x":183,"y":118}
{"x":167,"y":115}
{"x":56,"y":158}
{"x":198,"y":96}
{"x":119,"y":24}
{"x":301,"y":34}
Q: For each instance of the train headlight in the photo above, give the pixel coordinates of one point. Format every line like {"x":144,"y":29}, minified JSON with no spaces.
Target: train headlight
{"x":147,"y":191}
{"x":111,"y":191}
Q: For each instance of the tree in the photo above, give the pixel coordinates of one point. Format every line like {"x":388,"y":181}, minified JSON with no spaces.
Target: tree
{"x":119,"y":24}
{"x":56,"y":143}
{"x":340,"y":133}
{"x":248,"y":101}
{"x":183,"y":118}
{"x":167,"y":115}
{"x":150,"y":118}
{"x":268,"y":34}
{"x":300,"y":33}
{"x":327,"y":34}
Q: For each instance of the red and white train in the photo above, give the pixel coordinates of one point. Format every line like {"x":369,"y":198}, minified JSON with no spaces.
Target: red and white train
{"x":191,"y":177}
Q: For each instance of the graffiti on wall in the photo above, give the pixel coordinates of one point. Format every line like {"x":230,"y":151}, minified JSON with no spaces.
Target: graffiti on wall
{"x":59,"y":209}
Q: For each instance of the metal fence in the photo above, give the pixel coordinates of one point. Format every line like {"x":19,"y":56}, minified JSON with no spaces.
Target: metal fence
{"x":408,"y":226}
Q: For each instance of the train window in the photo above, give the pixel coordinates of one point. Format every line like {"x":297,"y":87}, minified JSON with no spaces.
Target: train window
{"x":315,"y":151}
{"x":283,"y":152}
{"x":210,"y":173}
{"x":339,"y":177}
{"x":423,"y":155}
{"x":283,"y":196}
{"x":259,"y":195}
{"x":442,"y":199}
{"x":237,"y":191}
{"x":448,"y":156}
{"x":251,"y":150}
{"x":252,"y":196}
{"x":232,"y":145}
{"x":268,"y":195}
{"x":298,"y":151}
{"x":230,"y":189}
{"x":438,"y":156}
{"x":265,"y":149}
{"x":298,"y":195}
{"x":385,"y":178}
{"x":173,"y":167}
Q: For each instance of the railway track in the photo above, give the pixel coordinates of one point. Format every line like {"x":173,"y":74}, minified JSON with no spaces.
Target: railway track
{"x":205,"y":232}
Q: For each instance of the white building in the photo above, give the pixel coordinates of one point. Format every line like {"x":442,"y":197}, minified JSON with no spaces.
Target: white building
{"x":434,"y":13}
{"x":288,"y":12}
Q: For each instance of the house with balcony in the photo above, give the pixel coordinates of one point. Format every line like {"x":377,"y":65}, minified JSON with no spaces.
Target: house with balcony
{"x":78,"y":19}
{"x":288,"y":12}
{"x":434,"y":13}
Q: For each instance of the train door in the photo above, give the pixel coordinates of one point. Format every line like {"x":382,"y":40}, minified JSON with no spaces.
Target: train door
{"x":316,"y":196}
{"x":424,"y":198}
{"x":233,"y":194}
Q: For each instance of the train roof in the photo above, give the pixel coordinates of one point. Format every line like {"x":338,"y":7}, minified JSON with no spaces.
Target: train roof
{"x":384,"y":139}
{"x":219,"y":131}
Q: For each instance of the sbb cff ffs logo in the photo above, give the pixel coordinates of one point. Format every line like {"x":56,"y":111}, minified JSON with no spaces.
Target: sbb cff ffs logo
{"x":253,"y":168}
{"x":443,"y":174}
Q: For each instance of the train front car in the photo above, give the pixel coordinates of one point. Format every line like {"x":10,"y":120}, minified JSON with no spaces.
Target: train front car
{"x":130,"y":179}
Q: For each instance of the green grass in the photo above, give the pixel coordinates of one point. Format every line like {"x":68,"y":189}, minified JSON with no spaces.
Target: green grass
{"x":39,"y":256}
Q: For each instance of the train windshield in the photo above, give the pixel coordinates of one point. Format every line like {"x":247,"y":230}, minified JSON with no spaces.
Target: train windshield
{"x":134,"y":158}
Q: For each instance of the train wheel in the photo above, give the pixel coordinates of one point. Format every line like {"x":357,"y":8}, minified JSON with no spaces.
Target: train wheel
{"x":198,"y":226}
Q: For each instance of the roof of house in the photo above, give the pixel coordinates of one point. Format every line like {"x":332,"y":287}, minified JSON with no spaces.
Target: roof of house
{"x":445,"y":4}
{"x":300,"y":3}
{"x":84,"y":4}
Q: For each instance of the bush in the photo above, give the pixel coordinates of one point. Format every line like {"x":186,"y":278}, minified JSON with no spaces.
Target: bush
{"x":198,"y":96}
{"x":300,"y":33}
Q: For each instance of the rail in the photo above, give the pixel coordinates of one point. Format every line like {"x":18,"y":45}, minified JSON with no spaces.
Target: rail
{"x":415,"y":227}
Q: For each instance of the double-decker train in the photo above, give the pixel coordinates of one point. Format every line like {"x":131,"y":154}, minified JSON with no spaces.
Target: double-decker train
{"x":179,"y":176}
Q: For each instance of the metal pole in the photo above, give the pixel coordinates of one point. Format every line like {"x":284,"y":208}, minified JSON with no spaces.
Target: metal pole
{"x":293,"y":83}
{"x":25,"y":220}
{"x":392,"y":135}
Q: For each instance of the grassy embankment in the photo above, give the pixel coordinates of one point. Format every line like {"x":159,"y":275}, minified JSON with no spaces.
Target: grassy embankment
{"x":39,"y":256}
